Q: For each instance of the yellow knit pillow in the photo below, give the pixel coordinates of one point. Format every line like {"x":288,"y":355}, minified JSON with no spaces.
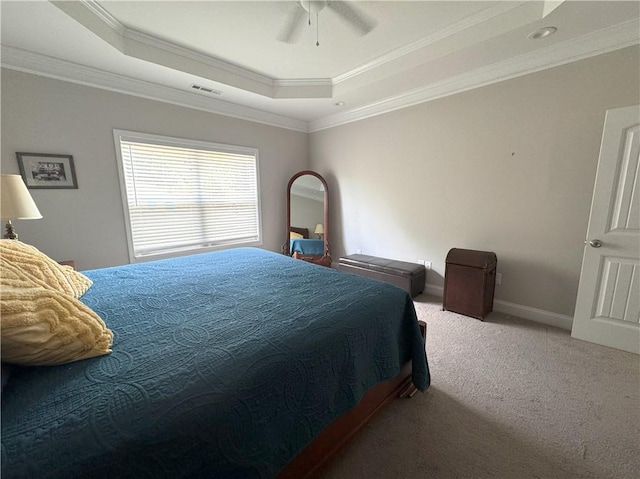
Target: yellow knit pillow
{"x":22,"y":261}
{"x":43,"y":327}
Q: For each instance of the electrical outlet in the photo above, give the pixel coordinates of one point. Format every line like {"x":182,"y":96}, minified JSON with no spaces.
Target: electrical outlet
{"x":427,"y":264}
{"x":498,"y":278}
{"x":421,"y":261}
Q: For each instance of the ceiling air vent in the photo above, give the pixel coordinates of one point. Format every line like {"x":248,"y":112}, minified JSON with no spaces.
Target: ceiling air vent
{"x":204,"y":89}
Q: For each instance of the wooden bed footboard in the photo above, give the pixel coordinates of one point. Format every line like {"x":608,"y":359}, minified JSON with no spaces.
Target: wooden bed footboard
{"x":336,"y":435}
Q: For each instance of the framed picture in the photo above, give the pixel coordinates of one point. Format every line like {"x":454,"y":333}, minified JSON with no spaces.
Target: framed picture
{"x":43,"y":170}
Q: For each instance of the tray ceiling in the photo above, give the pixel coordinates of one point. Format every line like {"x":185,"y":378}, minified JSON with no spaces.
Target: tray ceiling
{"x":233,"y":51}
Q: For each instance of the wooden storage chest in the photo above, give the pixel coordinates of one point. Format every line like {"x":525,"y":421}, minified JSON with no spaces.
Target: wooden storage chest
{"x":469,"y":282}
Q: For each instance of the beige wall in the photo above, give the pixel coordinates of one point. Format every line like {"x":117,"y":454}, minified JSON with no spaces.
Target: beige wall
{"x":41,"y":115}
{"x":508,"y":168}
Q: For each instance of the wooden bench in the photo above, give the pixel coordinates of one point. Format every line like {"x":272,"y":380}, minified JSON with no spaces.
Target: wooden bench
{"x":408,"y":276}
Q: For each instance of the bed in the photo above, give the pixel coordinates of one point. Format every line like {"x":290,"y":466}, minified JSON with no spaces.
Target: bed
{"x":227,"y":364}
{"x":300,"y":243}
{"x":306,"y":246}
{"x":302,"y":247}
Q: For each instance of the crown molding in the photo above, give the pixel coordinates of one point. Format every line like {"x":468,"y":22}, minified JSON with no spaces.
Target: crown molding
{"x":471,"y":21}
{"x":143,"y":46}
{"x":97,"y":9}
{"x":596,"y":43}
{"x":180,"y":51}
{"x":35,"y":63}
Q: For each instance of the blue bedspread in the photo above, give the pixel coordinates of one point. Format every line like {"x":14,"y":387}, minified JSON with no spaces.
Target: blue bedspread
{"x":306,"y":246}
{"x":224,"y":365}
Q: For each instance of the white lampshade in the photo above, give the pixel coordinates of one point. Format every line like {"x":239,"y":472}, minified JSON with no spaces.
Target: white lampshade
{"x":319,"y":229}
{"x":15,"y":201}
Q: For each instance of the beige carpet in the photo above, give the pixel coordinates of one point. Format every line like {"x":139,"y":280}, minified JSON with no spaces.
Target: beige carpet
{"x":509,"y":398}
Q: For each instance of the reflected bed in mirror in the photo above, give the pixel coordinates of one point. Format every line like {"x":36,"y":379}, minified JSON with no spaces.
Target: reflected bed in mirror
{"x":300,"y":243}
{"x":307,"y":210}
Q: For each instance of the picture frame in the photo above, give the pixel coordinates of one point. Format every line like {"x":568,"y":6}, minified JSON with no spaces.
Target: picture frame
{"x":47,"y":171}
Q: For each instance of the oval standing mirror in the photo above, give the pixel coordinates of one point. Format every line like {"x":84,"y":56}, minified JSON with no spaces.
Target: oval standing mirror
{"x":308,"y":218}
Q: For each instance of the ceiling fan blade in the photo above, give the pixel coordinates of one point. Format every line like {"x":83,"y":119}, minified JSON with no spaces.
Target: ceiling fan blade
{"x":357,"y":18}
{"x":291,"y":31}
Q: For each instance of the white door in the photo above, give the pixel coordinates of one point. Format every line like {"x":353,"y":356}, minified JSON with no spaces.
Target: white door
{"x":608,"y":303}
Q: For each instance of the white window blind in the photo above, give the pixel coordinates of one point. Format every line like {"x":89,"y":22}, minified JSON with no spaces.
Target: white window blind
{"x":182,"y":195}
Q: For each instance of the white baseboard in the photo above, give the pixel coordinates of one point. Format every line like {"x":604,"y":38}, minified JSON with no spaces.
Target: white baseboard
{"x":532,"y":314}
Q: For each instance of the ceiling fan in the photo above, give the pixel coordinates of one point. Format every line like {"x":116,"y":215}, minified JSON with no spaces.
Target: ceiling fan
{"x":302,"y":15}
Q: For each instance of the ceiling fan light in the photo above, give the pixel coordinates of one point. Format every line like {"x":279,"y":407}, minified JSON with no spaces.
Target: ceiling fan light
{"x":313,"y":6}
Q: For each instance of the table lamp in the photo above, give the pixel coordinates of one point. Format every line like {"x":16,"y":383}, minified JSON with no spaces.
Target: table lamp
{"x":16,"y":203}
{"x":319,"y":230}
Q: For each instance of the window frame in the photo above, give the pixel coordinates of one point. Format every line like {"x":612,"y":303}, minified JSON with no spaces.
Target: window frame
{"x":163,"y":140}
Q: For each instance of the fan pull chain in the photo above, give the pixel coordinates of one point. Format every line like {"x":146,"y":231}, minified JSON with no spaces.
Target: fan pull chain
{"x":309,"y":12}
{"x":317,"y":31}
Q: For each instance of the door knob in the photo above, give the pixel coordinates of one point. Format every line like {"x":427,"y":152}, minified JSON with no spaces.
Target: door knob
{"x":595,"y":243}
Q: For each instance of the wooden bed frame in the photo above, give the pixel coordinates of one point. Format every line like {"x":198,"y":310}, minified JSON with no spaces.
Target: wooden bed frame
{"x":309,"y":462}
{"x":301,"y":231}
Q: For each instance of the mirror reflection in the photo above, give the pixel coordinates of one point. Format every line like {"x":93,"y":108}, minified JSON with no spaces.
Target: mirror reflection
{"x":307,"y":217}
{"x":307,"y":209}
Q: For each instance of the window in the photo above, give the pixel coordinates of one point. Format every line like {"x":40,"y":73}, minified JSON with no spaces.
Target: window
{"x":182,"y":195}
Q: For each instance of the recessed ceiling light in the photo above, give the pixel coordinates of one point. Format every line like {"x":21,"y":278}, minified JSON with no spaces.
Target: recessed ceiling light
{"x":543,"y":32}
{"x":339,"y":103}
